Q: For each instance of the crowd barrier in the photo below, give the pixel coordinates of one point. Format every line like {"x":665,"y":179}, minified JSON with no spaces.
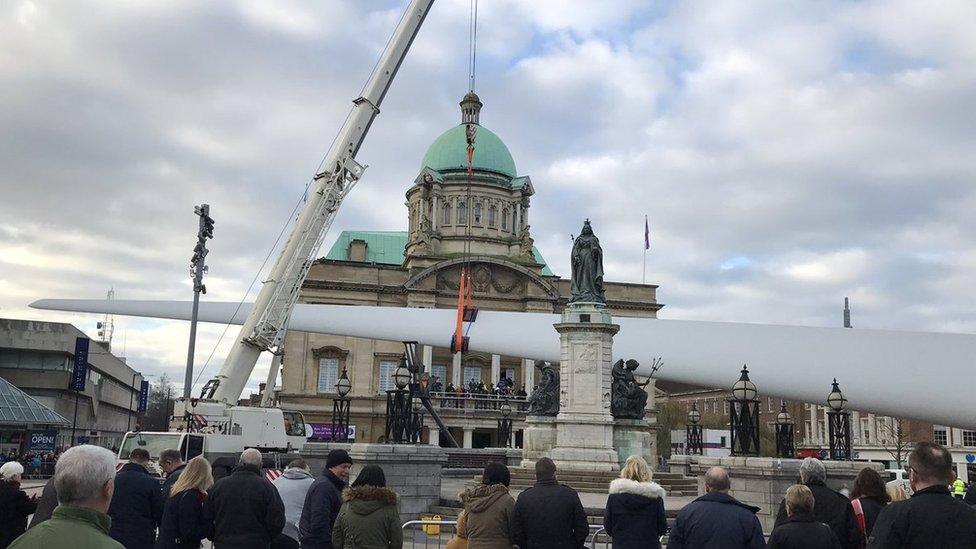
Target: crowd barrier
{"x":431,"y":534}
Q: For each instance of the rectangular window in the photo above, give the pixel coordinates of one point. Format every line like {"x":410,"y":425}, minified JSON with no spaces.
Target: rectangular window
{"x":328,"y":374}
{"x":941,"y":435}
{"x":726,"y":407}
{"x":769,"y":404}
{"x":491,"y":216}
{"x":866,"y":430}
{"x":821,"y":429}
{"x":387,"y":367}
{"x":472,"y":373}
{"x":509,"y":373}
{"x":968,"y":438}
{"x":807,"y":431}
{"x":440,"y":372}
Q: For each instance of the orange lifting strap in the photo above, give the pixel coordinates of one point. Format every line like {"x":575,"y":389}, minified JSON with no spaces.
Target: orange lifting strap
{"x":466,"y":312}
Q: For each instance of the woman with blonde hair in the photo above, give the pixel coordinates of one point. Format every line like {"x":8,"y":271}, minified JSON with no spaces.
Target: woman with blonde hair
{"x":635,"y":508}
{"x":183,"y":526}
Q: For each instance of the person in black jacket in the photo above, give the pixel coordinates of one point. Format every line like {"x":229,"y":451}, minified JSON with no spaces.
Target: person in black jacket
{"x":15,"y":506}
{"x":871,"y":494}
{"x":931,"y":517}
{"x":635,"y":517}
{"x":549,"y":514}
{"x":322,"y":502}
{"x":244,"y":510}
{"x":137,"y":504}
{"x":802,"y":530}
{"x":171,"y":462}
{"x":717,"y":520}
{"x":832,"y":508}
{"x":183,"y":526}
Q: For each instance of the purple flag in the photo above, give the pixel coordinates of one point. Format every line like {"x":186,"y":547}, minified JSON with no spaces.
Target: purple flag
{"x":647,"y":235}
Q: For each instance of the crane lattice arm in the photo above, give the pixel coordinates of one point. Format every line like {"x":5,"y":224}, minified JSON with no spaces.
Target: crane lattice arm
{"x":267,"y":322}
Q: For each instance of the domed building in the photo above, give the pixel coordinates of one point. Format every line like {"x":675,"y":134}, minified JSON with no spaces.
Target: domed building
{"x":455,"y":218}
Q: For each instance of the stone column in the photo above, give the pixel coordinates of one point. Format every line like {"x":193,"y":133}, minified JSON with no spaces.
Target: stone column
{"x":528,"y":374}
{"x":435,"y":436}
{"x":584,"y":426}
{"x":468,"y":436}
{"x":428,"y":357}
{"x":456,"y":369}
{"x":496,"y":368}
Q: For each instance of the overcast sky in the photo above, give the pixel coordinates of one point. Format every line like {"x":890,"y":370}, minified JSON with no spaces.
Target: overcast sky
{"x":787,"y":154}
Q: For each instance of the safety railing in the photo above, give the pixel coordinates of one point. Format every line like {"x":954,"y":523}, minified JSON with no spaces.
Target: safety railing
{"x":428,"y":533}
{"x":479,"y":401}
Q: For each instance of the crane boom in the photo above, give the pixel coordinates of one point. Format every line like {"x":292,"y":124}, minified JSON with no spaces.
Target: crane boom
{"x":267,"y":322}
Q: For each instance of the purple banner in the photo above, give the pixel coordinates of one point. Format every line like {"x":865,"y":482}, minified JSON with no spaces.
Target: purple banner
{"x":323,"y":431}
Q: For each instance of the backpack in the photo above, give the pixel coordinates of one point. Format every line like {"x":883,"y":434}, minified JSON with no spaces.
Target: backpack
{"x":861,"y":524}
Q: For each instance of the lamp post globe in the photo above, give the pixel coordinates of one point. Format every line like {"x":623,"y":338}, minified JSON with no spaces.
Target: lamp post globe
{"x":836,"y":399}
{"x":694,"y":416}
{"x":343,"y":386}
{"x":506,"y":409}
{"x":401,"y":376}
{"x":744,"y":389}
{"x":784,"y":417}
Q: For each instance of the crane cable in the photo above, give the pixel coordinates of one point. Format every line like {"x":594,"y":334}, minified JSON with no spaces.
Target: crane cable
{"x":466,"y":311}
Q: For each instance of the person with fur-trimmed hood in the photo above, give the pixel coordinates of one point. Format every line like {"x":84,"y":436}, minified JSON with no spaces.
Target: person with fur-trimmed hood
{"x":368,"y":518}
{"x":635,"y":508}
{"x":488,"y":510}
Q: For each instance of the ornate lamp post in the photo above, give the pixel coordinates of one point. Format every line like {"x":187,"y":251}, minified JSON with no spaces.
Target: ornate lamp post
{"x":505,"y":425}
{"x":340,"y":409}
{"x":839,"y":424}
{"x":784,"y":434}
{"x":399,"y":406}
{"x":693,"y":432}
{"x":744,"y":416}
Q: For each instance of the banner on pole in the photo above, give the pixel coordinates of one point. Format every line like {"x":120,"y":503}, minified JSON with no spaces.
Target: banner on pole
{"x":144,"y":396}
{"x":80,"y":372}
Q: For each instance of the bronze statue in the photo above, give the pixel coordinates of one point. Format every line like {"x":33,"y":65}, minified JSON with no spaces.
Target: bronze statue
{"x":587,"y":263}
{"x":628,"y":398}
{"x":544,"y":400}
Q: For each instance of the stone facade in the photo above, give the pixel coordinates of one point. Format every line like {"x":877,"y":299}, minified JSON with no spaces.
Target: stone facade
{"x":421,"y":268}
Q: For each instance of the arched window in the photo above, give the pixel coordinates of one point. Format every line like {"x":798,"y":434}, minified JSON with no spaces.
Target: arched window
{"x":515,"y":227}
{"x":504,"y":219}
{"x":477,"y":213}
{"x":491,"y":216}
{"x":446,"y":218}
{"x":462,"y":214}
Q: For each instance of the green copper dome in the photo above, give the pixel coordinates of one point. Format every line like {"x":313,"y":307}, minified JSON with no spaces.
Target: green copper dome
{"x":450,"y":152}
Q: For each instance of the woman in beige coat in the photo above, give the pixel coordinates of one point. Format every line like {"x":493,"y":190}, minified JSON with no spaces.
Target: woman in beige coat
{"x":488,"y":510}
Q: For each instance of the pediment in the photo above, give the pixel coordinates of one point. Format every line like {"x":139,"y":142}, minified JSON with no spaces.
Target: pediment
{"x":489,"y":276}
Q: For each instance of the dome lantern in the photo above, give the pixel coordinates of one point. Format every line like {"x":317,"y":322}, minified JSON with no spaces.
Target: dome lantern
{"x":470,"y":108}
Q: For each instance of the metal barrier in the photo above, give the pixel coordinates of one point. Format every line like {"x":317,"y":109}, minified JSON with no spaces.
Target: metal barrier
{"x":418,"y":533}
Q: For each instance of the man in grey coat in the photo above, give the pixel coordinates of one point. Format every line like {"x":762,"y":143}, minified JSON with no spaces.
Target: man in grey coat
{"x":293,"y":485}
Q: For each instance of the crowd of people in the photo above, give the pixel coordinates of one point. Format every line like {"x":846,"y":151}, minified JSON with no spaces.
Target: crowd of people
{"x":36,"y":464}
{"x":485,"y":396}
{"x":90,"y":504}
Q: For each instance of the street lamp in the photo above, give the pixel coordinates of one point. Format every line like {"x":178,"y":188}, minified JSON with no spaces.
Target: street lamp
{"x":505,"y":425}
{"x":340,"y":409}
{"x":401,"y":376}
{"x":399,"y":405}
{"x":744,"y":416}
{"x":693,"y":431}
{"x":784,"y":433}
{"x":838,"y":424}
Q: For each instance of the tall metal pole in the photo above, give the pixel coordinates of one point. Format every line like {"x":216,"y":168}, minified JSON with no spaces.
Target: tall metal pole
{"x":197,"y":268}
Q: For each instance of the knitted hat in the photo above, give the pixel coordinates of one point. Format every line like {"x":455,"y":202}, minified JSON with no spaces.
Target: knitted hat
{"x":337,"y":457}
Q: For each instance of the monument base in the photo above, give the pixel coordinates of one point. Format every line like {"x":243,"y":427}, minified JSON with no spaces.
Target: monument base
{"x":584,"y":445}
{"x":634,"y":437}
{"x":538,"y":439}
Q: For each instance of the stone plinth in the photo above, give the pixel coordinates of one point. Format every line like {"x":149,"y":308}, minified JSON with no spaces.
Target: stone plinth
{"x":413,"y":471}
{"x":584,"y":426}
{"x":762,"y":481}
{"x":539,"y":438}
{"x":634,"y":437}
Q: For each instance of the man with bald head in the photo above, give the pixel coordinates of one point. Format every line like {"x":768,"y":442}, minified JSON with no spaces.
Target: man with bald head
{"x":244,"y":510}
{"x":717,"y":520}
